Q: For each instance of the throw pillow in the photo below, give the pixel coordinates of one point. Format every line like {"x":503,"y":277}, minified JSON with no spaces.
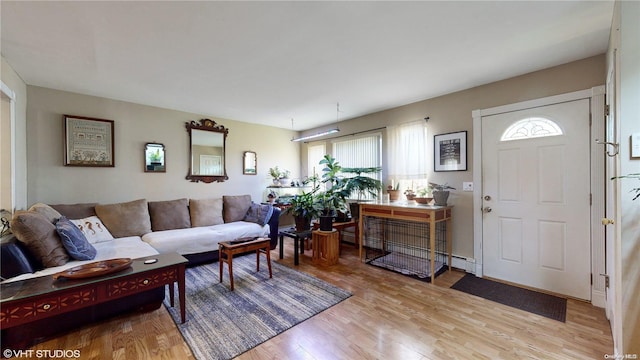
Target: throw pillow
{"x":40,"y":236}
{"x":126,"y":219}
{"x":258,"y":213}
{"x":93,"y":229}
{"x":206,"y":212}
{"x":74,"y":241}
{"x":169,"y":215}
{"x":46,"y":210}
{"x":76,"y":211}
{"x":235,"y":207}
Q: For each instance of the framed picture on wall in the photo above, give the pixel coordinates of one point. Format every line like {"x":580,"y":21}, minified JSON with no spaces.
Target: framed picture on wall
{"x":88,"y":142}
{"x":450,"y":151}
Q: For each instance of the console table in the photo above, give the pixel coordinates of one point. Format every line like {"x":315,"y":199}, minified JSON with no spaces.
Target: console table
{"x":29,"y":300}
{"x":417,"y":233}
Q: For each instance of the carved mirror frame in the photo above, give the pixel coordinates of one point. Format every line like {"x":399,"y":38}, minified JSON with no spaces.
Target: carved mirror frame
{"x":249,"y":163}
{"x":207,"y":125}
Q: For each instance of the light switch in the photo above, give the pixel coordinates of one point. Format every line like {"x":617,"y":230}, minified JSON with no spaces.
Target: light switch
{"x":467,"y":186}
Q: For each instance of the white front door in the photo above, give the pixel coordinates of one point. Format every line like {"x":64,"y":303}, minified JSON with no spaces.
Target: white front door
{"x":536,"y":188}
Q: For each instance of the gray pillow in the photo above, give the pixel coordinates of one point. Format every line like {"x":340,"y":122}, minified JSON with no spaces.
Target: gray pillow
{"x":169,"y":215}
{"x":205,"y":212}
{"x":40,"y":237}
{"x":125,"y":219}
{"x":234,"y":208}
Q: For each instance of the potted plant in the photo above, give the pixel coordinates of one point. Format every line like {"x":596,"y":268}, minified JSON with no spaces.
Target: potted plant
{"x":440,"y":193}
{"x":410,"y":194}
{"x":274,"y":172}
{"x":284,"y":177}
{"x":394,"y":192}
{"x":304,"y":208}
{"x":424,"y":195}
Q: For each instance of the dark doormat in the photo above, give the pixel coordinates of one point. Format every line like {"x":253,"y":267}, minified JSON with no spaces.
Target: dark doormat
{"x":535,"y":302}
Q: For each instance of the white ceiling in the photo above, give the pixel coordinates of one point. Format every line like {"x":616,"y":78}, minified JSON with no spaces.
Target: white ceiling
{"x":269,"y":62}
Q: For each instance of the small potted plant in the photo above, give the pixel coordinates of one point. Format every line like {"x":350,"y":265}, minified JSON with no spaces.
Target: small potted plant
{"x":440,"y":193}
{"x":410,"y":194}
{"x":423,"y":195}
{"x":304,"y":208}
{"x":393,"y":191}
{"x":275,"y":174}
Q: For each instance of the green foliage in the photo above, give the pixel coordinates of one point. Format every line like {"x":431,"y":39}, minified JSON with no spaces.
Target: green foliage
{"x":631,"y":176}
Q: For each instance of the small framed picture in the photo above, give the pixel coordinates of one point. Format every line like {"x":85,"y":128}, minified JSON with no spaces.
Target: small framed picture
{"x":450,"y":151}
{"x":88,"y":142}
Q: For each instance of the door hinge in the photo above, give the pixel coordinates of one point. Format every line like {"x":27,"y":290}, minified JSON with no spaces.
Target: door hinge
{"x":591,"y":278}
{"x":590,"y":199}
{"x":606,"y":110}
{"x":590,"y":117}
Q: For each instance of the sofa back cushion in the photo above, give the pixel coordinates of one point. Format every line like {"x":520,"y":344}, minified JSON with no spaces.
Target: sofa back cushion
{"x":76,"y":211}
{"x":169,"y":215}
{"x":40,"y":236}
{"x":205,"y":212}
{"x":125,"y":219}
{"x":50,"y":213}
{"x":235,"y":207}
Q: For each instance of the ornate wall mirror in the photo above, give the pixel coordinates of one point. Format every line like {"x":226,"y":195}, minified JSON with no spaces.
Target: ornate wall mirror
{"x":207,"y":151}
{"x":154,"y":158}
{"x":249,"y":163}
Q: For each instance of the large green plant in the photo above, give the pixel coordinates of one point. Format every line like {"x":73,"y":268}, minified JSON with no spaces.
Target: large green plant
{"x":360,"y":184}
{"x":304,"y":205}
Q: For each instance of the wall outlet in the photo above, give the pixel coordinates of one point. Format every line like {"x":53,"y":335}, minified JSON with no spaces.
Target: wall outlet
{"x":467,"y":186}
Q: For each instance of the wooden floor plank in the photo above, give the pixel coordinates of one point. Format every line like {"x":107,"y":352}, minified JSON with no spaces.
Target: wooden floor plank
{"x":389,"y":316}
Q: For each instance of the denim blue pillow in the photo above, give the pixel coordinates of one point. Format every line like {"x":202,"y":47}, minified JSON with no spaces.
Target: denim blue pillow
{"x":74,"y":240}
{"x":258,"y":213}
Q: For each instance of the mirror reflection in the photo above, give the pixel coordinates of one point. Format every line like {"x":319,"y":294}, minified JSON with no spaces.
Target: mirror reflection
{"x":207,"y":151}
{"x":249,"y":163}
{"x":154,"y":158}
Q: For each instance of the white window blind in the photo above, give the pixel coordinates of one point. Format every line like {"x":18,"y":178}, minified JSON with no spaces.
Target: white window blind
{"x":364,"y":151}
{"x":315,"y":153}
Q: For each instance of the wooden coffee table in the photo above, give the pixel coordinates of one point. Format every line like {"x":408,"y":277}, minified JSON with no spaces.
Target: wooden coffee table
{"x":227,"y":249}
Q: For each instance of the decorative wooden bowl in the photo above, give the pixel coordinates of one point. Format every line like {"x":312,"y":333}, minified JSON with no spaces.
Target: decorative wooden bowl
{"x":423,"y":200}
{"x":94,"y":269}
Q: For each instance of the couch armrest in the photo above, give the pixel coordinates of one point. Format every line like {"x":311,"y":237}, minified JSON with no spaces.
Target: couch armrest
{"x":274,"y":222}
{"x":15,"y":259}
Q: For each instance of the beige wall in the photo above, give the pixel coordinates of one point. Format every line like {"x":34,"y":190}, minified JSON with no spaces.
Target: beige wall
{"x":51,"y":182}
{"x":12,"y":80}
{"x":452,"y":112}
{"x":629,"y":120}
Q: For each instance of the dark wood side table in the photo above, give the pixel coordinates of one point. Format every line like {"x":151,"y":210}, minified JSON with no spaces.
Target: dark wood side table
{"x":227,"y":249}
{"x":38,"y":298}
{"x":298,"y":238}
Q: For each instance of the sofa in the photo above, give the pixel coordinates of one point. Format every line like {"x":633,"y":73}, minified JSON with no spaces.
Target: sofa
{"x":139,"y":228}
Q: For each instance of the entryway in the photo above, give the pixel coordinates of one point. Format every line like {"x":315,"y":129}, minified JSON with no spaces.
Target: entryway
{"x":534,"y":218}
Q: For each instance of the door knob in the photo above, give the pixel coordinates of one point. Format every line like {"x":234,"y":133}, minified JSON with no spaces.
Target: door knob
{"x":487,"y":209}
{"x":606,"y":221}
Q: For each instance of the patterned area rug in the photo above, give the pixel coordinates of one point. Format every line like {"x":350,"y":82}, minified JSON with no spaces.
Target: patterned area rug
{"x":222,"y":324}
{"x":535,"y":302}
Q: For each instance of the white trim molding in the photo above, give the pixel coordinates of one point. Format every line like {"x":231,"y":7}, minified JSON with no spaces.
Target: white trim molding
{"x":596,"y":99}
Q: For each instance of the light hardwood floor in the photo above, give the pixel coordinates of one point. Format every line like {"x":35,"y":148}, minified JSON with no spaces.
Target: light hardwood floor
{"x":389,"y":316}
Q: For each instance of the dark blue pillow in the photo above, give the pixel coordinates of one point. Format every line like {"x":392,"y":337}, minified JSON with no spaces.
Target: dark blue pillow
{"x":258,"y":213}
{"x":74,"y":240}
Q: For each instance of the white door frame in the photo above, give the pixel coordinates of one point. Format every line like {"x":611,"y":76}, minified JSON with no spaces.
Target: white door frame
{"x":11,"y":95}
{"x":596,"y":97}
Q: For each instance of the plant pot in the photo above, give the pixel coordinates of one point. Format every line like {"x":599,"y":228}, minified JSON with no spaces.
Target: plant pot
{"x":302,"y":223}
{"x":423,"y":200}
{"x":326,"y":222}
{"x":393,"y":195}
{"x":440,"y":198}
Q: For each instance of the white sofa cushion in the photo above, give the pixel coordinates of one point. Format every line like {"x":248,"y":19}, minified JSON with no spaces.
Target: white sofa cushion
{"x":128,"y":247}
{"x":202,"y":239}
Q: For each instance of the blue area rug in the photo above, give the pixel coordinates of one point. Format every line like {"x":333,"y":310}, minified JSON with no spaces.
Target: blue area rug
{"x":222,"y":324}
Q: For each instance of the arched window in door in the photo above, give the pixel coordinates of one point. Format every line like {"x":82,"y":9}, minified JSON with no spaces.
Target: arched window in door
{"x":532,"y":127}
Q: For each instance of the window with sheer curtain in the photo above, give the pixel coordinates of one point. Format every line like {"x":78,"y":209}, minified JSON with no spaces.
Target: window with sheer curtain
{"x":363,"y":151}
{"x":407,"y":155}
{"x":315,"y":153}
